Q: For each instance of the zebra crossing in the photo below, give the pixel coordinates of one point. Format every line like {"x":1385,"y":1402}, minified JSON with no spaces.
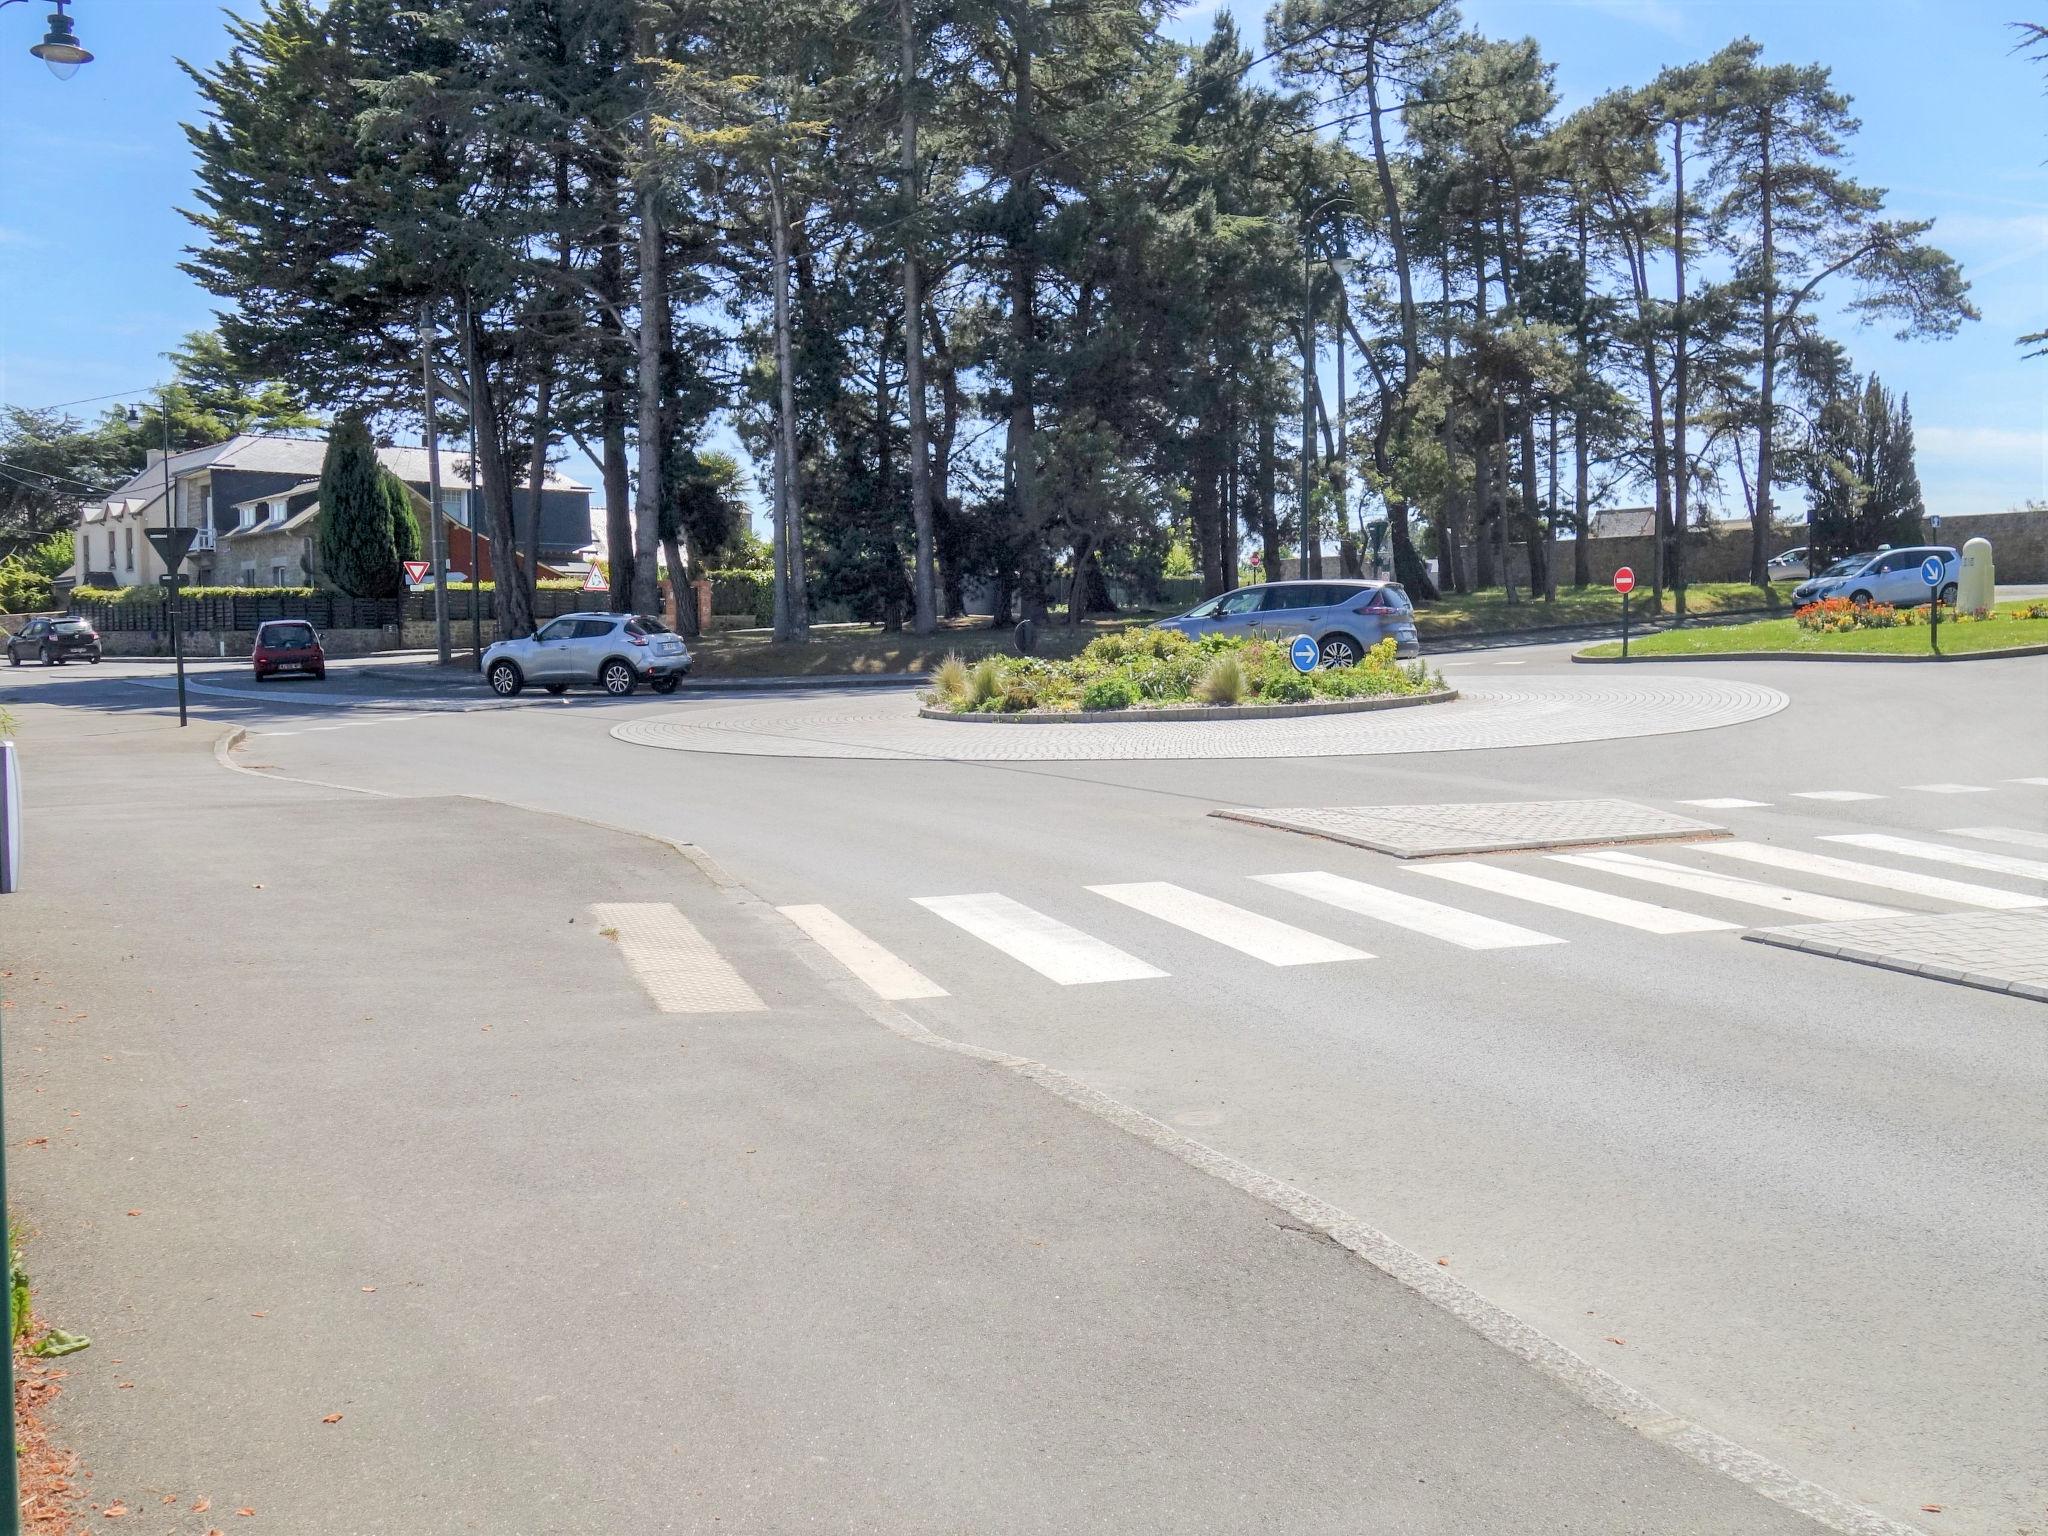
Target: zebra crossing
{"x":1060,"y":948}
{"x":1100,"y":933}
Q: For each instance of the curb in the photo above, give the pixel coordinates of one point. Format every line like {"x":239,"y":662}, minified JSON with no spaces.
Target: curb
{"x":2006,"y":651}
{"x":1195,"y":712}
{"x":2031,"y":991}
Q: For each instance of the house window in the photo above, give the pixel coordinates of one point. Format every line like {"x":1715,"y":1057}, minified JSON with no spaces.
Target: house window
{"x":251,"y":514}
{"x":455,"y":506}
{"x":277,"y":575}
{"x":248,"y":575}
{"x":128,"y":537}
{"x":111,"y":566}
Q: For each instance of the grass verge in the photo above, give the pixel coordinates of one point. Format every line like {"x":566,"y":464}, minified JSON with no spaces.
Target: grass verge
{"x":2005,"y":627}
{"x":866,"y":649}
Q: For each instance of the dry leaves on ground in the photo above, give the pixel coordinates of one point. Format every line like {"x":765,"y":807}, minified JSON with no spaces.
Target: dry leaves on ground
{"x":332,"y":1418}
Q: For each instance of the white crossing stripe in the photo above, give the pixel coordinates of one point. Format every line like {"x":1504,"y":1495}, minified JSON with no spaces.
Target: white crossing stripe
{"x":1910,"y":880}
{"x":2027,"y":781}
{"x":1468,"y":930}
{"x":1057,"y":952}
{"x":1944,"y":853}
{"x":1725,"y":803}
{"x":677,"y":965}
{"x":881,"y":972}
{"x":1950,"y":789}
{"x":1248,"y":933}
{"x":1625,"y":910}
{"x":2020,"y":835}
{"x":1709,"y":882}
{"x":1833,"y":794}
{"x":1517,"y":662}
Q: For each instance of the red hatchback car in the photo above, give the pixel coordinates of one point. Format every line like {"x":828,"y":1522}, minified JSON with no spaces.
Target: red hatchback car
{"x":288,"y":648}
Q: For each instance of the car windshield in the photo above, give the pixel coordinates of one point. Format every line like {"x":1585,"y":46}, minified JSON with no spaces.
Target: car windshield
{"x":644,"y":625}
{"x":1204,"y":610}
{"x":70,"y":626}
{"x":286,"y":636}
{"x":1848,"y":565}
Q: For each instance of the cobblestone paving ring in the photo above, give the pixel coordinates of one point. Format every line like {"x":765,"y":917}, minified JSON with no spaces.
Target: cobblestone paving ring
{"x":1498,"y":713}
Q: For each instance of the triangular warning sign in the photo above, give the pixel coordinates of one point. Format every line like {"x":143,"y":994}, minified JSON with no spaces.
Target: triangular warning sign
{"x":595,"y":581}
{"x":417,"y":571}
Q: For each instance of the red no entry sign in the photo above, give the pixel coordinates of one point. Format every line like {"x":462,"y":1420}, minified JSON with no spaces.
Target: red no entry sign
{"x":1624,"y":580}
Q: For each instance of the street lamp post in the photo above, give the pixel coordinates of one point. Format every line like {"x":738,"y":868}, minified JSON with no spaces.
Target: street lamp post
{"x":59,"y":48}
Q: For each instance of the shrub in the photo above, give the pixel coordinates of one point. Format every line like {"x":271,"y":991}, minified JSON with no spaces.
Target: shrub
{"x":949,"y":682}
{"x":984,"y":681}
{"x":1223,"y":682}
{"x":1289,"y":687}
{"x":1113,"y":691}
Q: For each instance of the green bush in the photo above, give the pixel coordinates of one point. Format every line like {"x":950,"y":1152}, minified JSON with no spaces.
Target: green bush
{"x":1112,"y":691}
{"x":1149,"y":668}
{"x":741,"y":591}
{"x":156,"y":594}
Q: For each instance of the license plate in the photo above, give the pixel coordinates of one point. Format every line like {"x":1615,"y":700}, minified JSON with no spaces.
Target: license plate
{"x":668,"y":647}
{"x":290,"y":666}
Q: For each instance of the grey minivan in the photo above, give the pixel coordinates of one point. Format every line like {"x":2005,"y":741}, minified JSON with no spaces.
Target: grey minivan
{"x":1345,"y":618}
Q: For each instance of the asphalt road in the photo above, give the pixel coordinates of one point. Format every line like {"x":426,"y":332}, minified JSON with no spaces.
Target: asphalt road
{"x":1797,"y":1201}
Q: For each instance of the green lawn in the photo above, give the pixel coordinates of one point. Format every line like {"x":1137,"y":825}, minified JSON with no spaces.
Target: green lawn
{"x":1486,"y":612}
{"x":840,"y":649}
{"x":2004,"y":628}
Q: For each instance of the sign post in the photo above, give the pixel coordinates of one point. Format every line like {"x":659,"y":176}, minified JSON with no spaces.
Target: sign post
{"x":1932,"y":569}
{"x":172,"y":545}
{"x":1624,"y":583}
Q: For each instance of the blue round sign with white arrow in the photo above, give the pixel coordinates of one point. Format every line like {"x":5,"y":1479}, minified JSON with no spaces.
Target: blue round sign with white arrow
{"x":1931,"y":570}
{"x":1304,"y":653}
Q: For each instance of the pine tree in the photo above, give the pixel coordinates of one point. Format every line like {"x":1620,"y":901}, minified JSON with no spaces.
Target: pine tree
{"x":356,"y":551}
{"x":405,"y":525}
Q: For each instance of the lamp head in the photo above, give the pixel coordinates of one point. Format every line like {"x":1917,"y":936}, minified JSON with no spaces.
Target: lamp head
{"x":59,"y":48}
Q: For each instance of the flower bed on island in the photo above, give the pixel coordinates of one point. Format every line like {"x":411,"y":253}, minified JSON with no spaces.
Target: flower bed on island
{"x":1162,"y":669}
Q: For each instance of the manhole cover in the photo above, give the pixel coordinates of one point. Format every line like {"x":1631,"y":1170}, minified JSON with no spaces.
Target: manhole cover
{"x":1422,"y":831}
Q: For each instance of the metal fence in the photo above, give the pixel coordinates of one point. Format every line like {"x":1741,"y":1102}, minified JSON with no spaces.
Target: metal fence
{"x":325,"y":610}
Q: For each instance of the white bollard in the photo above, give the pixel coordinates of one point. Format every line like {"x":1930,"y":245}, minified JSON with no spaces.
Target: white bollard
{"x":10,"y":819}
{"x":1977,"y":585}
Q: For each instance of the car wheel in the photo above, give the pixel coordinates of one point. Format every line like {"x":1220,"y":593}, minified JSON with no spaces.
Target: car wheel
{"x":1948,"y":595}
{"x":1339,"y":651}
{"x":505,"y":680}
{"x":1860,"y":599}
{"x":618,"y":679}
{"x":95,"y":658}
{"x":558,"y":688}
{"x":49,"y":657}
{"x":666,"y":684}
{"x":13,"y":657}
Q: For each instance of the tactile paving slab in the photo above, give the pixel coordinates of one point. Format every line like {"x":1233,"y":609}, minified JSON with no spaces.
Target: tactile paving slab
{"x":1997,"y":951}
{"x":1427,"y":831}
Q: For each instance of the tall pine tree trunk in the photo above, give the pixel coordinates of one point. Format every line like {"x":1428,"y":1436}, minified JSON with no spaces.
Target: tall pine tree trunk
{"x":1582,"y":555}
{"x":613,"y":406}
{"x":653,"y":307}
{"x":922,"y":582}
{"x":798,"y":599}
{"x":1766,"y":399}
{"x":515,"y":613}
{"x":1020,"y":447}
{"x":1681,"y":466}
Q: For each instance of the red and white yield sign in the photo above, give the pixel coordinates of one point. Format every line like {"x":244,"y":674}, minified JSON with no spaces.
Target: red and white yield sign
{"x":416,"y":572}
{"x":1624,"y":581}
{"x":595,"y":581}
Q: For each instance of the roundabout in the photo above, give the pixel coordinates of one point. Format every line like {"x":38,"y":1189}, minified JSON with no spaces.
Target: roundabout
{"x":1547,"y":711}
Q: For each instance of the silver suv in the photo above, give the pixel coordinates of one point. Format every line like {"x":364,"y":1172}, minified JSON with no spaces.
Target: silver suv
{"x":616,"y":651}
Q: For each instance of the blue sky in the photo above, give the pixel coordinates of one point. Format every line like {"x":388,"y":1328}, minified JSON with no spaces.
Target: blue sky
{"x":92,"y":171}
